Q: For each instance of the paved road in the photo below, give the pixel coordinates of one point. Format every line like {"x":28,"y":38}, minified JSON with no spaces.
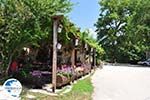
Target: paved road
{"x":121,"y":83}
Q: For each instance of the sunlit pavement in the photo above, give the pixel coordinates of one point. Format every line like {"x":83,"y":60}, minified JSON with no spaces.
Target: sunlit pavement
{"x":121,"y":83}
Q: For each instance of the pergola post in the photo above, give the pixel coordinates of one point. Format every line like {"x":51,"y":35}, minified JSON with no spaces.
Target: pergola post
{"x":94,"y":57}
{"x":73,"y":58}
{"x":56,"y":20}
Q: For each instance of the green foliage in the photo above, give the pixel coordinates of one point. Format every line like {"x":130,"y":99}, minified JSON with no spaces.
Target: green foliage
{"x":94,"y":44}
{"x":71,"y":31}
{"x":84,"y":36}
{"x":123,"y":29}
{"x":26,"y":22}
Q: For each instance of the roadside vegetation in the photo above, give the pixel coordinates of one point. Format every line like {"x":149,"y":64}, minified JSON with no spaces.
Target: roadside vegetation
{"x":123,"y":29}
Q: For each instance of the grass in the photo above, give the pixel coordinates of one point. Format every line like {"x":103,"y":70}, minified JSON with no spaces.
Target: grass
{"x":82,"y":90}
{"x":83,"y":86}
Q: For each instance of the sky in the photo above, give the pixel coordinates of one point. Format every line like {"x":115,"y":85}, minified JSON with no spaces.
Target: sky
{"x":85,"y":13}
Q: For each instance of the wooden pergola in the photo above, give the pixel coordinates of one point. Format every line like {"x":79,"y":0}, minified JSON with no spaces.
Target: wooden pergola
{"x":56,"y":21}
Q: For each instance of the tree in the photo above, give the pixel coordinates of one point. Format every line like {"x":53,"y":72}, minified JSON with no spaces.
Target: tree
{"x":139,"y":24}
{"x":118,"y":25}
{"x":111,"y":25}
{"x":26,"y":22}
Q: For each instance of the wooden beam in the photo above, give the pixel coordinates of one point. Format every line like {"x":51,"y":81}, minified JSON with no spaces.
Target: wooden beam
{"x":73,"y":58}
{"x":57,"y":17}
{"x":54,"y":64}
{"x":56,"y":20}
{"x":94,"y":57}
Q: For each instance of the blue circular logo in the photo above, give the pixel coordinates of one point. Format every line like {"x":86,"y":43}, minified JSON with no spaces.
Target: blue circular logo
{"x":13,"y":87}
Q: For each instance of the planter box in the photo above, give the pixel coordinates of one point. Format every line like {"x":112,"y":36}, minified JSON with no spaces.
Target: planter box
{"x":62,"y":80}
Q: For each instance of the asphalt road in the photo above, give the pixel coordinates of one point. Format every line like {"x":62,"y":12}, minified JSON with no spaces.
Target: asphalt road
{"x":123,"y":82}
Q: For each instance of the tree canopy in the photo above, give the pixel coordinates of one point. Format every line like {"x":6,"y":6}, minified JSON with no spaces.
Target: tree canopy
{"x":123,"y":29}
{"x":26,"y":22}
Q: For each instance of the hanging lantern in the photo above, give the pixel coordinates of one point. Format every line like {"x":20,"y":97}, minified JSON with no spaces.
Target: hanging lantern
{"x":60,"y":27}
{"x":76,"y":42}
{"x":86,"y":46}
{"x":59,"y":46}
{"x":91,"y":49}
{"x":27,"y":50}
